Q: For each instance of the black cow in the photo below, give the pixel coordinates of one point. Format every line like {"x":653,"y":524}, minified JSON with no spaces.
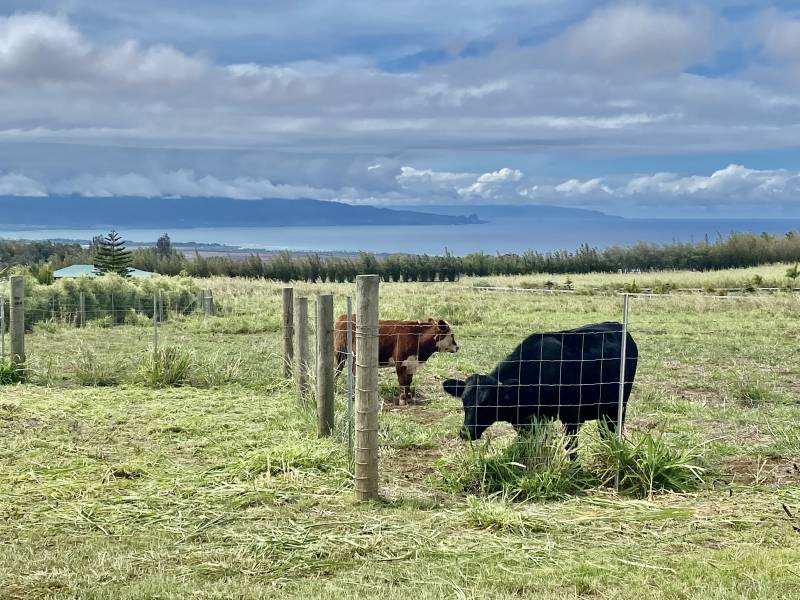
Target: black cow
{"x":570,"y":375}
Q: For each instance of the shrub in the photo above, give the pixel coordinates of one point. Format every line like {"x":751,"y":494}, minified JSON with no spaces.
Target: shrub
{"x":647,"y":464}
{"x":534,"y":465}
{"x":165,"y":367}
{"x":9,"y":373}
{"x":89,"y":371}
{"x":219,"y":369}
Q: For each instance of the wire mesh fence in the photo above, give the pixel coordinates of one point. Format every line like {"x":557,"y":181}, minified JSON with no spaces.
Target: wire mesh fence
{"x":509,"y":358}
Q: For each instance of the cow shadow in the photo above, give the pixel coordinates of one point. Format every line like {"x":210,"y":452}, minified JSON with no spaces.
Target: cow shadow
{"x":389,"y":393}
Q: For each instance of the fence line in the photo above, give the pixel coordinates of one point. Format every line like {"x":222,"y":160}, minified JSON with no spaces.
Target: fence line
{"x":642,"y":291}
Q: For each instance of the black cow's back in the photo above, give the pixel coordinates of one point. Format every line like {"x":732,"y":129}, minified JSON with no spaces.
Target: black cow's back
{"x":572,"y":375}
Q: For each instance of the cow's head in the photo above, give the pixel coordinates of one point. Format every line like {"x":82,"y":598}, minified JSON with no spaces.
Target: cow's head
{"x":444,"y":337}
{"x":485,"y":399}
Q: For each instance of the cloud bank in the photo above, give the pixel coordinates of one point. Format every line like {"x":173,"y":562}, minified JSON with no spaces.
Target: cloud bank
{"x":734,"y":185}
{"x":446,"y":103}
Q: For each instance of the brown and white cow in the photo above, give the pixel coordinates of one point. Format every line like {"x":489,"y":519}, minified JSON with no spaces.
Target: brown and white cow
{"x":404,"y":345}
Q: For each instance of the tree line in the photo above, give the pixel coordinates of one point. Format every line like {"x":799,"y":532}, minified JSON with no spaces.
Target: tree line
{"x":736,"y":250}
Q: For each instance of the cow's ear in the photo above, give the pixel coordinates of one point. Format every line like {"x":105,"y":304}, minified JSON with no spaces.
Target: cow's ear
{"x":454,"y":387}
{"x":511,"y":389}
{"x":443,"y":326}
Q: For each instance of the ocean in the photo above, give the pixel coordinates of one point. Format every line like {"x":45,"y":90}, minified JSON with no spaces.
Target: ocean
{"x":498,"y":236}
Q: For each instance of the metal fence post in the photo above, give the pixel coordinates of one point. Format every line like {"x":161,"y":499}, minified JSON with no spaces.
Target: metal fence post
{"x":17,"y":320}
{"x":366,"y":446}
{"x":622,"y":361}
{"x":155,"y":323}
{"x":325,"y":363}
{"x":301,"y":345}
{"x":350,"y":376}
{"x":288,"y":330}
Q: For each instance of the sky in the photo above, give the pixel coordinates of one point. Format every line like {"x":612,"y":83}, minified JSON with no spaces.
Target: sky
{"x":672,"y":108}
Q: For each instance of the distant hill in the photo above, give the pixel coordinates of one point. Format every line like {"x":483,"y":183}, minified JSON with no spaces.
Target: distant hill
{"x":493,"y":212}
{"x":78,"y":212}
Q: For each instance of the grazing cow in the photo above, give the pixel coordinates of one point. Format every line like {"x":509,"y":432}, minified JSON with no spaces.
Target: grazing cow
{"x":569,"y":375}
{"x":404,"y":345}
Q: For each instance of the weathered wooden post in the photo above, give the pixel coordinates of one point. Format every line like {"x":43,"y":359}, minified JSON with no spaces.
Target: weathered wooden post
{"x":366,"y":444}
{"x":350,"y":377}
{"x":2,"y":327}
{"x":201,"y":301}
{"x":288,"y":330}
{"x":325,"y":364}
{"x":301,"y":347}
{"x":17,"y":320}
{"x":210,"y":302}
{"x":82,"y":310}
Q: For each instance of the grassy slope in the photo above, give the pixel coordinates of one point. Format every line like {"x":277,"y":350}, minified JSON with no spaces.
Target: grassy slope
{"x":128,"y":492}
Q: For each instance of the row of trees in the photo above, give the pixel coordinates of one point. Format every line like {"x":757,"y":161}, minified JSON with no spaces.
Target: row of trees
{"x":737,"y":250}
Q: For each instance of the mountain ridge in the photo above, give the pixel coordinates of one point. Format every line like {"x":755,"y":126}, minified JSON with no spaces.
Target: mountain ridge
{"x":188,"y":212}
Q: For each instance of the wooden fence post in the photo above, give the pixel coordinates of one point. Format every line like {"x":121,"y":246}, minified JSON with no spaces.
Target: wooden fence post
{"x":2,"y":327}
{"x":366,"y":444}
{"x":82,"y":310}
{"x":17,"y":320}
{"x":201,"y":301}
{"x":210,"y":302}
{"x":301,"y":347}
{"x":325,"y":360}
{"x":288,"y":330}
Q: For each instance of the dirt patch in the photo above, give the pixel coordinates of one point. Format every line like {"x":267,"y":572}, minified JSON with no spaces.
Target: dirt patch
{"x":754,"y":470}
{"x":413,"y":465}
{"x":725,"y":430}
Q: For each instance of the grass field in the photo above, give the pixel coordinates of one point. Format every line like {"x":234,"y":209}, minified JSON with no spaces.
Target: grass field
{"x":218,"y":488}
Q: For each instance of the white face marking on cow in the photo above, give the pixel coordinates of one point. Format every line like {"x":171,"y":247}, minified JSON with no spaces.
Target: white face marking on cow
{"x":412,"y":364}
{"x":447,"y":344}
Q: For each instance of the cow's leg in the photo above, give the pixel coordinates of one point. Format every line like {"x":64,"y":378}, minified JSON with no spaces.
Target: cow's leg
{"x":404,"y":379}
{"x":571,"y":432}
{"x":341,"y":359}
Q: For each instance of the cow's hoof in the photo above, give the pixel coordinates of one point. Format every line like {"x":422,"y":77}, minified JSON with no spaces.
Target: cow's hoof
{"x":402,"y":402}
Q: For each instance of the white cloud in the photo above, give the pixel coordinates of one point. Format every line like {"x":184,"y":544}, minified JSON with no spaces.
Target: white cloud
{"x":731,"y":185}
{"x":494,"y":185}
{"x":575,"y":187}
{"x":429,"y":181}
{"x":184,"y":182}
{"x":16,"y":184}
{"x":782,"y":39}
{"x":634,"y":36}
{"x":734,"y":185}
